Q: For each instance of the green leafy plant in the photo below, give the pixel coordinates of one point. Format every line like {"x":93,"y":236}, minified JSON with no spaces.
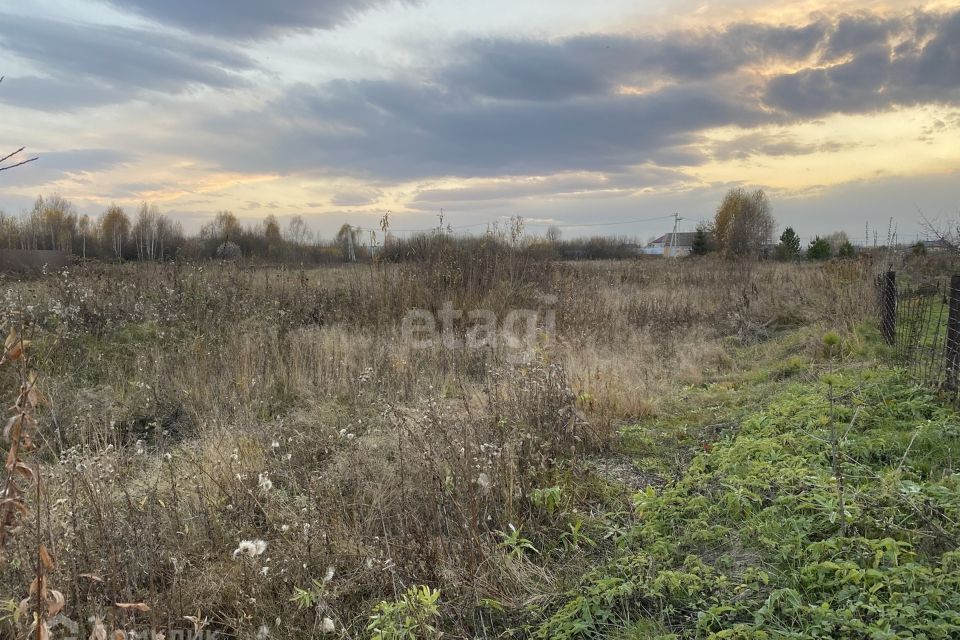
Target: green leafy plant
{"x":310,"y":596}
{"x":548,"y":499}
{"x":574,"y":537}
{"x":515,"y":544}
{"x":411,"y":617}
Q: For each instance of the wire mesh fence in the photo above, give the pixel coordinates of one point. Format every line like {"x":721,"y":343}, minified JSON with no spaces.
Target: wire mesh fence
{"x":921,"y":320}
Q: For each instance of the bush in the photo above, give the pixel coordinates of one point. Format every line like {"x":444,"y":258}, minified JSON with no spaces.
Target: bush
{"x":410,"y":617}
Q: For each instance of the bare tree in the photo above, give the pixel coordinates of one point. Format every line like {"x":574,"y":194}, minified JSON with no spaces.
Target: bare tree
{"x":170,"y":236}
{"x":553,"y":234}
{"x":153,"y":233}
{"x":85,"y":228}
{"x":5,"y":161}
{"x":837,"y":240}
{"x":297,"y":231}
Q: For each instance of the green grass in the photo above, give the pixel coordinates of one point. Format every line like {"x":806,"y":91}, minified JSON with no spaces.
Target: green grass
{"x":924,"y":327}
{"x":750,"y":540}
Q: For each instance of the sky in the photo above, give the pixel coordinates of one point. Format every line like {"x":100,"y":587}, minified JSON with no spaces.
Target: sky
{"x":601,"y":117}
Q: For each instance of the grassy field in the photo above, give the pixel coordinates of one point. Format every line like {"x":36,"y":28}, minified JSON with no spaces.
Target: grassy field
{"x":686,"y":449}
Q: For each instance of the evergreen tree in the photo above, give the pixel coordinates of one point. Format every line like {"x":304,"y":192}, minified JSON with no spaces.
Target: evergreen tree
{"x":819,"y":249}
{"x":789,"y":247}
{"x":701,"y":241}
{"x":847,"y":250}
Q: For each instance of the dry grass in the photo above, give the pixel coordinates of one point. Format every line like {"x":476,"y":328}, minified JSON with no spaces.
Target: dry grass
{"x":193,"y":407}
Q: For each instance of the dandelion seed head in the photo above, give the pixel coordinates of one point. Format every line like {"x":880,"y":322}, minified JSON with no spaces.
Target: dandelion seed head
{"x":250,"y":548}
{"x":264,"y":482}
{"x":327,"y":626}
{"x":483,"y":480}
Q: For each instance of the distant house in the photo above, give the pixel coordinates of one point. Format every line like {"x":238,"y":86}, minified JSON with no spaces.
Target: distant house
{"x":672,"y":246}
{"x":937,"y":245}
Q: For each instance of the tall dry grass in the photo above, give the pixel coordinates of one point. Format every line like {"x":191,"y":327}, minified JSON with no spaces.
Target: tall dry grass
{"x":194,"y":407}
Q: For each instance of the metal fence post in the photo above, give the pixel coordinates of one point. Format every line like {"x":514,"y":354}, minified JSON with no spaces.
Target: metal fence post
{"x":888,"y":307}
{"x":953,"y":336}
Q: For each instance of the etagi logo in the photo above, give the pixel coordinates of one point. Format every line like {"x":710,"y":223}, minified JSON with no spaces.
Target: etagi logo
{"x":519,"y":330}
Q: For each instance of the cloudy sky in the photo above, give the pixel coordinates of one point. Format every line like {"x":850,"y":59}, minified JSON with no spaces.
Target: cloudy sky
{"x":580,"y":114}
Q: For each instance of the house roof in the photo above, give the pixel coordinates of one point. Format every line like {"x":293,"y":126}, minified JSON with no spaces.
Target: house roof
{"x":684,"y":239}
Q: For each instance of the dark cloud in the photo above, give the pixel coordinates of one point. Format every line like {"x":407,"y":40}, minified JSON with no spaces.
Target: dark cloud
{"x":399,"y":130}
{"x":528,"y":69}
{"x":851,"y":63}
{"x":90,"y":64}
{"x":853,"y":33}
{"x":600,"y":102}
{"x":586,"y":65}
{"x":249,"y":18}
{"x":914,"y":60}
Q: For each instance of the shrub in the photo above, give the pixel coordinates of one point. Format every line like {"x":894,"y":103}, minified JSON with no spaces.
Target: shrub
{"x":411,"y":617}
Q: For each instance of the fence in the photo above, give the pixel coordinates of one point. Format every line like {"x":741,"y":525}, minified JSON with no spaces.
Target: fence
{"x":921,"y":320}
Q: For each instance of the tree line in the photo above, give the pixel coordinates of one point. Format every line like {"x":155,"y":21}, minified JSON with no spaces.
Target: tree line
{"x":53,"y":223}
{"x":148,"y":234}
{"x":743,"y":226}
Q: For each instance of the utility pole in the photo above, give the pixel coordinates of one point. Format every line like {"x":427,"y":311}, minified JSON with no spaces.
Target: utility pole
{"x":673,"y":236}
